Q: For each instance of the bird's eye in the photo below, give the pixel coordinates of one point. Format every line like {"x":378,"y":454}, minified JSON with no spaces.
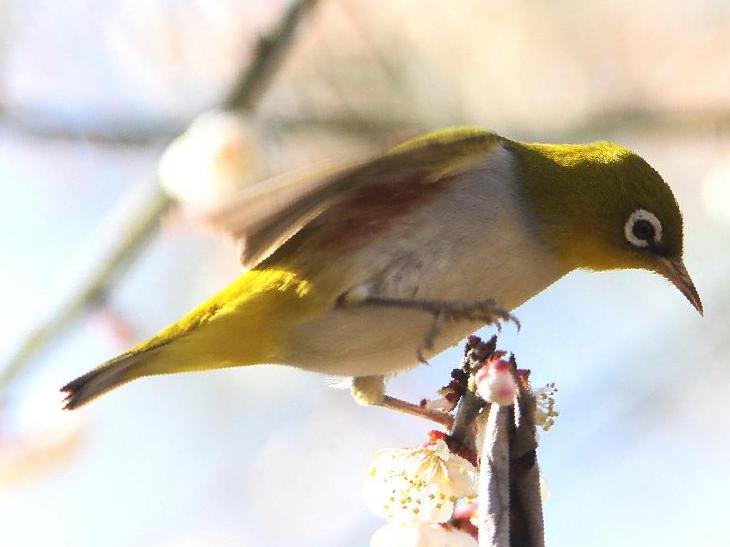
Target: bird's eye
{"x":643,"y":228}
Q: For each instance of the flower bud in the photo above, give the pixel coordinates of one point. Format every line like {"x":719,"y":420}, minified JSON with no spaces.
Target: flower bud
{"x":495,"y":382}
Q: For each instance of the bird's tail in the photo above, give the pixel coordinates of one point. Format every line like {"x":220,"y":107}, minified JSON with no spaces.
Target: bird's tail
{"x":106,"y":377}
{"x":225,"y":331}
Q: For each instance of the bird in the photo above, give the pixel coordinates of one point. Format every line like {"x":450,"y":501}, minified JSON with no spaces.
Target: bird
{"x":367,"y":270}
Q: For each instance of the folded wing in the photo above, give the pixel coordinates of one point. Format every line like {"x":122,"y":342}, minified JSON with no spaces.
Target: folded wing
{"x":264,"y":216}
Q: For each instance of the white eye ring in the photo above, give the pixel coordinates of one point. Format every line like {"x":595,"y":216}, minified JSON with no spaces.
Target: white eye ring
{"x":642,"y":214}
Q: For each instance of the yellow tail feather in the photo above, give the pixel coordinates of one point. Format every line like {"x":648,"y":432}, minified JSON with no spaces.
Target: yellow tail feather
{"x":239,"y":326}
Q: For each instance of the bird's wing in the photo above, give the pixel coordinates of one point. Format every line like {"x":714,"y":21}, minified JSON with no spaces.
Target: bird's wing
{"x":264,"y":216}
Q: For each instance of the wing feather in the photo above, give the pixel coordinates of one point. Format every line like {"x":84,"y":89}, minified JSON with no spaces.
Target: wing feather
{"x":264,"y":216}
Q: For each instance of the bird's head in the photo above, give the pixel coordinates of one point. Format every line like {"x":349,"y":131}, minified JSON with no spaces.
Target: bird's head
{"x":604,"y":207}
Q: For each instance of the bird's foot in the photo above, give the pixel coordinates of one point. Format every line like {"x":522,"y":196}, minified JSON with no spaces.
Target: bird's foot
{"x":370,"y":391}
{"x":483,"y":311}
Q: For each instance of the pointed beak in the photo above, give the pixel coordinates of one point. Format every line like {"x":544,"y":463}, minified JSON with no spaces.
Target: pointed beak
{"x":675,"y":272}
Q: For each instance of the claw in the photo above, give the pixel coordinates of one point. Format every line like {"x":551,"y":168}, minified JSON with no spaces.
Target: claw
{"x":484,"y":310}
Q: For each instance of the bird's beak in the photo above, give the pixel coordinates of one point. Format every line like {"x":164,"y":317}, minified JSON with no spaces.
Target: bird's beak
{"x":674,"y":271}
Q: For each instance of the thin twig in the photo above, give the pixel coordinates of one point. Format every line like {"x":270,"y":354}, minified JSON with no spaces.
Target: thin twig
{"x":404,"y":407}
{"x":144,"y":222}
{"x":270,"y":50}
{"x":463,"y":434}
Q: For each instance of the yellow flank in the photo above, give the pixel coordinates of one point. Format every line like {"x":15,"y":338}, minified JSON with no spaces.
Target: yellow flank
{"x":238,"y":326}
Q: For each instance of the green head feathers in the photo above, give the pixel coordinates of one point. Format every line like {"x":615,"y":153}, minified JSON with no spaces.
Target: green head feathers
{"x":602,"y":206}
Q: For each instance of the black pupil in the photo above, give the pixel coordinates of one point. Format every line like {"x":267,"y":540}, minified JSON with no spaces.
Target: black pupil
{"x":643,"y":229}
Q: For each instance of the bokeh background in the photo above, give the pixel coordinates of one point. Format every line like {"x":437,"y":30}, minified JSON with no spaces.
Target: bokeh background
{"x":91,"y":92}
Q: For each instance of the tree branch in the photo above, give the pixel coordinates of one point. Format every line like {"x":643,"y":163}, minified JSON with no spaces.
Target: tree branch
{"x":143,"y":223}
{"x":510,"y":501}
{"x":270,"y":51}
{"x":494,"y":481}
{"x":499,"y":439}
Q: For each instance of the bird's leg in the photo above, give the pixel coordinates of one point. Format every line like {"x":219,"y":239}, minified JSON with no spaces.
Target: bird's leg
{"x":370,"y":391}
{"x":484,"y":311}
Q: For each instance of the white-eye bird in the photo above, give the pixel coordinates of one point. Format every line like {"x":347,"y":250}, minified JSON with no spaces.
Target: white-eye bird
{"x":358,"y":272}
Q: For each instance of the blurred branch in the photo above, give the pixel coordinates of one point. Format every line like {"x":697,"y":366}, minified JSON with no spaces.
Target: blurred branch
{"x":245,"y":94}
{"x":101,"y":131}
{"x":94,"y":290}
{"x":270,"y":50}
{"x":354,"y":124}
{"x":380,"y":121}
{"x":646,"y":120}
{"x":638,"y":120}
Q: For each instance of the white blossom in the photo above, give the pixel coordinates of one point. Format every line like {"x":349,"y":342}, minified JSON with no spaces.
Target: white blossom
{"x":419,"y":484}
{"x":546,"y":413}
{"x":215,"y":155}
{"x":37,"y":434}
{"x":420,"y":535}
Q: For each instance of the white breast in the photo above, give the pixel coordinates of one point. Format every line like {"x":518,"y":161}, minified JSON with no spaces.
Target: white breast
{"x":478,"y":240}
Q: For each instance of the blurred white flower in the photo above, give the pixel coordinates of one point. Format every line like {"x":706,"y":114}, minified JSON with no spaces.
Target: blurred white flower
{"x":419,"y":484}
{"x":217,"y":154}
{"x":420,"y":535}
{"x":37,"y":435}
{"x":496,"y":382}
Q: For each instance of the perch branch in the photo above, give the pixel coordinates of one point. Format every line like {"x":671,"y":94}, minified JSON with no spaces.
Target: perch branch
{"x":526,"y":517}
{"x":463,"y":434}
{"x":502,"y":440}
{"x":245,"y":94}
{"x":494,"y":481}
{"x":404,"y":407}
{"x":510,"y":502}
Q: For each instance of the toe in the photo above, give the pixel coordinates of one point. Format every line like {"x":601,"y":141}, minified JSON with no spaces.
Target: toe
{"x":368,"y":390}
